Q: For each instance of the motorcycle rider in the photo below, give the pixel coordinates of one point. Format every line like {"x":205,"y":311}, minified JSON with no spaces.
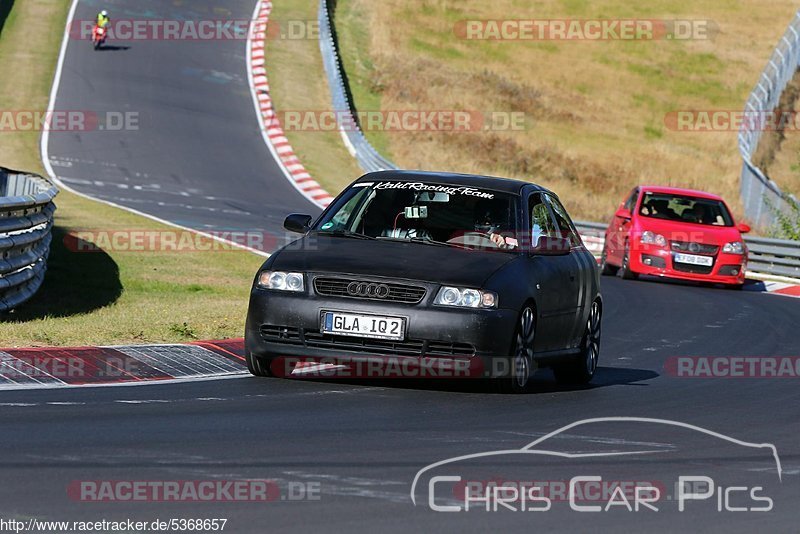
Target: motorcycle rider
{"x":103,"y":19}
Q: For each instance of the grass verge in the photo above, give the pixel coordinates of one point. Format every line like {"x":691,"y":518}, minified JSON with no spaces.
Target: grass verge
{"x":105,"y":296}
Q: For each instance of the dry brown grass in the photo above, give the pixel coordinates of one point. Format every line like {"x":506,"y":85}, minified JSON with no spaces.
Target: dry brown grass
{"x":778,"y":152}
{"x":594,"y":110}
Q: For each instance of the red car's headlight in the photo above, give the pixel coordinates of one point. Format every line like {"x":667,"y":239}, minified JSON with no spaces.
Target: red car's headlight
{"x":651,"y":238}
{"x":735,"y":247}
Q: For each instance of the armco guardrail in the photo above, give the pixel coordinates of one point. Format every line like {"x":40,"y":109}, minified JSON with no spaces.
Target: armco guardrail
{"x":773,"y":256}
{"x":26,"y":219}
{"x":758,"y":192}
{"x":357,"y":144}
{"x":779,"y":257}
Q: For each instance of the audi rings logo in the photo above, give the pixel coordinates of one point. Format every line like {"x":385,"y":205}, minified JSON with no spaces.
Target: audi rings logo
{"x":367,"y":289}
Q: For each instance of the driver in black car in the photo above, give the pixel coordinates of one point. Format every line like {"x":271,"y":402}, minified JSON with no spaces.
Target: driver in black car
{"x":491,"y":220}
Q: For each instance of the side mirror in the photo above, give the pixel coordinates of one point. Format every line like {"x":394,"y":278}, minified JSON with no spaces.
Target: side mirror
{"x":622,"y":213}
{"x":743,"y":228}
{"x":552,"y":246}
{"x":297,"y":222}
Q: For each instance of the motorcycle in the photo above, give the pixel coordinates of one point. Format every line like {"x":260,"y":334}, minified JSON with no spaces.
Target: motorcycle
{"x":98,"y":37}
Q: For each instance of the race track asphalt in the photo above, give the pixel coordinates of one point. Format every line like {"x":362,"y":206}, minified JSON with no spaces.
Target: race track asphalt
{"x":192,"y":152}
{"x":360,"y":444}
{"x":198,"y":159}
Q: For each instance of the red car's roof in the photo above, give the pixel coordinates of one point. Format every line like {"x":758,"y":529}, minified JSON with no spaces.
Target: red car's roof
{"x":678,"y":191}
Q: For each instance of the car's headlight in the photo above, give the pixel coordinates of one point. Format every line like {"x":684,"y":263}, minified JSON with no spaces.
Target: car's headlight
{"x":735,"y":247}
{"x":281,"y":281}
{"x":466,"y":298}
{"x":651,"y":238}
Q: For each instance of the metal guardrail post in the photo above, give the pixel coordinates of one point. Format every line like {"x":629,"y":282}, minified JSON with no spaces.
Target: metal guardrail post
{"x":368,"y":158}
{"x":26,"y":221}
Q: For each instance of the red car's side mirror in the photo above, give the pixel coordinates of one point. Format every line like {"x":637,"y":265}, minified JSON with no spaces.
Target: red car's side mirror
{"x":552,"y":246}
{"x":622,"y":213}
{"x":743,"y":228}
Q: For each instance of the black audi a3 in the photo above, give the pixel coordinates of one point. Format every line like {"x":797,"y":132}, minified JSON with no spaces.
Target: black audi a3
{"x":485,"y":274}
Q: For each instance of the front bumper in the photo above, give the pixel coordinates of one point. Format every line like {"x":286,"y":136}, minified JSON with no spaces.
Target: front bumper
{"x":284,"y":328}
{"x":661,"y":263}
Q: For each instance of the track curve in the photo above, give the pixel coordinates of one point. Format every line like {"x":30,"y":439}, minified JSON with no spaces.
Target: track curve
{"x":194,"y":155}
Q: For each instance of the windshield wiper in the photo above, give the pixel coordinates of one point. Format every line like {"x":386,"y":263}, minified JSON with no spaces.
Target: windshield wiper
{"x":345,"y":233}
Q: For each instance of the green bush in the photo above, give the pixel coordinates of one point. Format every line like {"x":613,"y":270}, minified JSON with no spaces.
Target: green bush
{"x":787,"y":222}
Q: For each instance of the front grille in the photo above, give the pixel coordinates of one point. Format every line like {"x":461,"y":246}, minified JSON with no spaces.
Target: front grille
{"x":695,"y":248}
{"x":377,"y":347}
{"x":281,"y":334}
{"x":688,"y":268}
{"x":388,"y":292}
{"x":366,"y":345}
{"x":438,"y":348}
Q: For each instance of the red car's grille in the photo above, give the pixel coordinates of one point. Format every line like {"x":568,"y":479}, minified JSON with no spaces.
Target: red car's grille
{"x":688,"y":268}
{"x":695,"y":248}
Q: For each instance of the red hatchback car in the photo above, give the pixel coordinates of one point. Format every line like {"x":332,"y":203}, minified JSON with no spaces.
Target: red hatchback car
{"x":676,"y":233}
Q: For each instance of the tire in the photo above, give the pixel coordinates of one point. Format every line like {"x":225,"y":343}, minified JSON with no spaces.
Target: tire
{"x":521,"y":357}
{"x":625,"y":270}
{"x":256,"y":366}
{"x":581,"y":370}
{"x":606,"y":269}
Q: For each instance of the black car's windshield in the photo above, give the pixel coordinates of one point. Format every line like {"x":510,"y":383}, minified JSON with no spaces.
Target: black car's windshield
{"x":685,"y":209}
{"x":425,"y":213}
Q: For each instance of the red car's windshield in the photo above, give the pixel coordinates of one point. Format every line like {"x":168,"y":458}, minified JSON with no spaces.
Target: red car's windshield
{"x":685,"y":209}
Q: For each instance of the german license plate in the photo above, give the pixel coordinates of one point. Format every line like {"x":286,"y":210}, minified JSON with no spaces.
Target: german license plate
{"x":373,"y":326}
{"x":692,"y":259}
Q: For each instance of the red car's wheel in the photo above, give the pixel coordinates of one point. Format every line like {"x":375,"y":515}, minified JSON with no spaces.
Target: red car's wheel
{"x":625,"y":271}
{"x":607,"y":269}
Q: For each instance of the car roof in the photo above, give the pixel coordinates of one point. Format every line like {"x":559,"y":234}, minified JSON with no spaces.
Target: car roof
{"x":506,"y":185}
{"x":678,"y":191}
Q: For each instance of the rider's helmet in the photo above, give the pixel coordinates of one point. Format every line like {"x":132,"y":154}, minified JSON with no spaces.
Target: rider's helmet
{"x":104,"y":13}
